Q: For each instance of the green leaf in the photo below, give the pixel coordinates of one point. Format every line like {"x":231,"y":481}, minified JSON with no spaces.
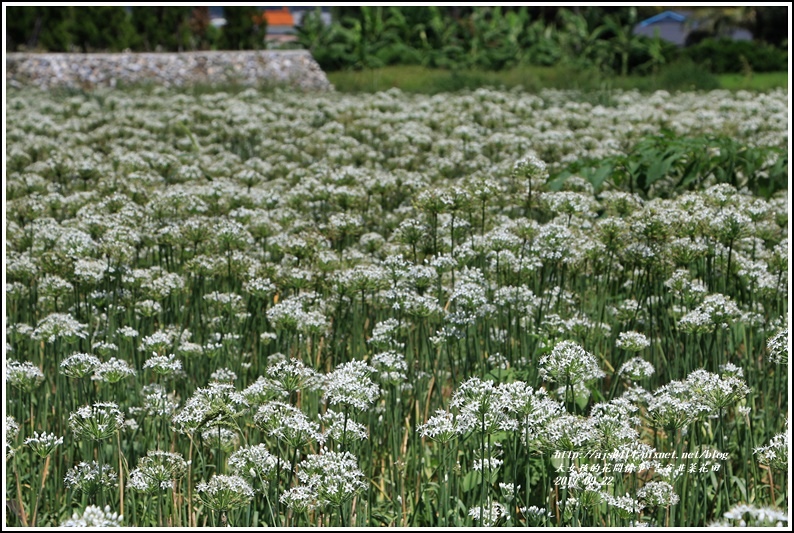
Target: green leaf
{"x":659,"y":168}
{"x":557,"y":182}
{"x":471,"y":480}
{"x":599,"y":176}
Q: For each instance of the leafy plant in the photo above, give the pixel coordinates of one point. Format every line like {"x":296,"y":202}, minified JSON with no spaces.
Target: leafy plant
{"x":241,"y":32}
{"x":669,"y":164}
{"x":582,"y":45}
{"x":623,"y":41}
{"x":728,"y":55}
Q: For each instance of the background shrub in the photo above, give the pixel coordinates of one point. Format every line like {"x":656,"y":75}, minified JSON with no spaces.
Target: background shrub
{"x":89,"y":28}
{"x":686,"y":75}
{"x":165,"y":28}
{"x":726,"y":55}
{"x":240,"y":32}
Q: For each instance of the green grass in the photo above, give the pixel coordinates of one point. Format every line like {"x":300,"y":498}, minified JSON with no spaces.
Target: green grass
{"x":761,"y":81}
{"x":418,"y":79}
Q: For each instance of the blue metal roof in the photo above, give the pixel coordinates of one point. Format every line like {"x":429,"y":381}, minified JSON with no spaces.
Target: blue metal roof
{"x":663,"y":16}
{"x":217,"y":11}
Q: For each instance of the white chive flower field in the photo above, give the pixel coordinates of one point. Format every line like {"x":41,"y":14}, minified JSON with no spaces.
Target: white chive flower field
{"x":487,"y":308}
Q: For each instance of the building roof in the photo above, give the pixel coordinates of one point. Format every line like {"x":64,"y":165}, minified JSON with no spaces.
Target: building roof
{"x":664,"y":16}
{"x":281,"y":17}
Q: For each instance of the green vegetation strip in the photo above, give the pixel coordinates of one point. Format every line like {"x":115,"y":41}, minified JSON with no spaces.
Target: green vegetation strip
{"x":423,"y":80}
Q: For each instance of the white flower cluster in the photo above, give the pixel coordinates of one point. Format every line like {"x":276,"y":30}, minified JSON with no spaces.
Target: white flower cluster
{"x":350,"y":385}
{"x":44,"y":444}
{"x":291,"y":314}
{"x":157,"y":401}
{"x":287,"y":423}
{"x":391,"y":367}
{"x":775,"y":453}
{"x":94,"y":516}
{"x":569,"y":363}
{"x":329,"y":479}
{"x":657,"y":494}
{"x":11,"y":431}
{"x":224,"y":493}
{"x":253,"y":462}
{"x":778,"y":346}
{"x":215,"y":404}
{"x":489,"y":515}
{"x":636,"y":368}
{"x":113,"y":370}
{"x":25,"y":376}
{"x":157,"y":471}
{"x":90,"y":477}
{"x":60,"y":326}
{"x":96,"y":422}
{"x":748,"y":515}
{"x":715,"y":311}
{"x":290,"y":375}
{"x":632,"y":341}
{"x":163,"y":364}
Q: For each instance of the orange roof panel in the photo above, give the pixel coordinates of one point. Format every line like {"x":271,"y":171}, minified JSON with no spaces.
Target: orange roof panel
{"x":279,"y":18}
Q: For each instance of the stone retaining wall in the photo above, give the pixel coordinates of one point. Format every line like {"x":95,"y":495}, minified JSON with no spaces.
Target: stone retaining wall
{"x":296,"y":68}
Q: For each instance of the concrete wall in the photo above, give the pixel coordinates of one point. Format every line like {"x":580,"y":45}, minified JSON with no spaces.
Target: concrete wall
{"x":296,"y":68}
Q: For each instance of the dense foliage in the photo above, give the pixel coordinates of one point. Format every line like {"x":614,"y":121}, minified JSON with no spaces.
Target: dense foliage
{"x":268,"y":309}
{"x":504,"y":37}
{"x":490,"y":38}
{"x":141,"y":29}
{"x":240,"y":32}
{"x":726,"y":55}
{"x":486,"y":38}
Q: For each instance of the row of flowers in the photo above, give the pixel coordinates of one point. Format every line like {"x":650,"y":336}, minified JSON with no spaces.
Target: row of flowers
{"x":271,"y":310}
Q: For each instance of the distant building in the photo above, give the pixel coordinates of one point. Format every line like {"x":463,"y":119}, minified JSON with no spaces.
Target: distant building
{"x":675,"y":27}
{"x":280,"y":24}
{"x":281,"y":21}
{"x":298,"y":12}
{"x":216,"y":16}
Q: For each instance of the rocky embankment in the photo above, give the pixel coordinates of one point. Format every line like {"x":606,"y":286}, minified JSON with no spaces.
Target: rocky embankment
{"x":295,"y":68}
